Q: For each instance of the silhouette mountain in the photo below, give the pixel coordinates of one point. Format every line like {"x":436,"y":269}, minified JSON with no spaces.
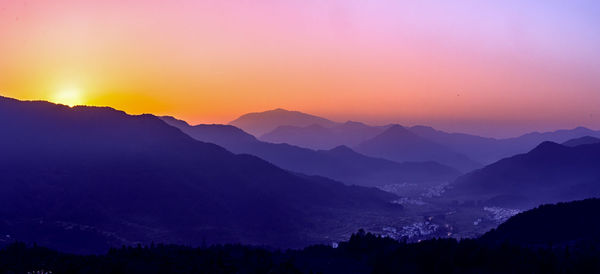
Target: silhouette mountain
{"x":327,"y":135}
{"x":82,"y":179}
{"x":481,"y":149}
{"x":340,"y":163}
{"x":549,"y":173}
{"x":551,"y":224}
{"x":558,"y":136}
{"x":489,"y":150}
{"x":399,"y":144}
{"x":585,"y":140}
{"x":318,"y":137}
{"x":222,"y":135}
{"x":260,"y":123}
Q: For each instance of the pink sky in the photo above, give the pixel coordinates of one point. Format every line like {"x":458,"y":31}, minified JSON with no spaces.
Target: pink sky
{"x":494,"y":69}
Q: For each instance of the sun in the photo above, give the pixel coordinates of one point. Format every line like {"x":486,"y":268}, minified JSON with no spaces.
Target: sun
{"x":70,"y":97}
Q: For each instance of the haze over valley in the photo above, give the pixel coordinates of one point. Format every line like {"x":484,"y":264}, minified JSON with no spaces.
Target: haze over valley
{"x":115,"y":179}
{"x":299,"y":136}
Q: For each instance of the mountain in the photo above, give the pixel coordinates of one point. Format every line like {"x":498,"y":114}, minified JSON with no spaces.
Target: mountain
{"x":527,"y":142}
{"x":558,"y":136}
{"x":319,"y":137}
{"x":400,"y":144}
{"x":549,"y":173}
{"x":344,"y":164}
{"x":489,"y":150}
{"x":82,"y":179}
{"x":481,"y":149}
{"x":260,"y":123}
{"x":340,"y":163}
{"x":319,"y":133}
{"x":551,"y":224}
{"x":223,"y":135}
{"x":585,"y":140}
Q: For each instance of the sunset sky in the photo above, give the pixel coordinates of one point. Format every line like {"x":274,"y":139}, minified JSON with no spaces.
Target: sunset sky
{"x":493,"y":69}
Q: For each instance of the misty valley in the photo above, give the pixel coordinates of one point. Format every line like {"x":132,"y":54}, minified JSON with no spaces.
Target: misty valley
{"x":299,"y":136}
{"x":85,"y":180}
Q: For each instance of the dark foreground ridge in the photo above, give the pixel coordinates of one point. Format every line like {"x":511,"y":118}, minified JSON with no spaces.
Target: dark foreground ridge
{"x":362,"y":253}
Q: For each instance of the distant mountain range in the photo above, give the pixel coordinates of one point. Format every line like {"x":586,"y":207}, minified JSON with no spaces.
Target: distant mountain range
{"x":549,"y":173}
{"x":340,"y":163}
{"x":82,"y":179}
{"x":320,"y":133}
{"x":488,"y":150}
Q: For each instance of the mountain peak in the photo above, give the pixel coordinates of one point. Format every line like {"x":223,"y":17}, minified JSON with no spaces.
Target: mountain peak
{"x":354,"y":125}
{"x":261,"y":123}
{"x":547,"y":145}
{"x":396,"y":129}
{"x":342,"y":149}
{"x":281,"y":110}
{"x":399,"y":144}
{"x":394,"y":134}
{"x":585,"y":140}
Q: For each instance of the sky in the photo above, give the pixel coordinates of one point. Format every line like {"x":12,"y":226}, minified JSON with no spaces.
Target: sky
{"x":495,"y":68}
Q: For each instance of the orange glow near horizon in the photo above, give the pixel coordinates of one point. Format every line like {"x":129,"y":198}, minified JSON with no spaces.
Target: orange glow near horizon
{"x":514,"y":65}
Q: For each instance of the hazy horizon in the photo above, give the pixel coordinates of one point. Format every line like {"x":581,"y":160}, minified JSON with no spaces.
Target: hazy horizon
{"x":493,"y":69}
{"x":299,"y":136}
{"x":479,"y":129}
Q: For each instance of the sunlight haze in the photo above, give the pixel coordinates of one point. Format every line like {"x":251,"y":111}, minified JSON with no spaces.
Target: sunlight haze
{"x":492,"y":69}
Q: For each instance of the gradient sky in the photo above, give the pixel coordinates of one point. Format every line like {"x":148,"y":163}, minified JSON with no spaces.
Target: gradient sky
{"x":495,"y":69}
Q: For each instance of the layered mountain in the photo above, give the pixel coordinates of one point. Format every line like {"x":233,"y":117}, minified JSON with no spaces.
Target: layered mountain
{"x":400,"y":144}
{"x":340,"y":163}
{"x":481,"y":149}
{"x":314,"y":132}
{"x":549,"y":173}
{"x":585,"y":140}
{"x":260,"y":123}
{"x":551,"y":224}
{"x":489,"y":150}
{"x":558,"y":136}
{"x":82,"y":179}
{"x":319,"y":137}
{"x":227,"y":136}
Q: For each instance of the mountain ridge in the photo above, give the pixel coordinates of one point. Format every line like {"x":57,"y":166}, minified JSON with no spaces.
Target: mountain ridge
{"x":550,"y":224}
{"x":585,"y":140}
{"x":340,"y":163}
{"x":483,"y":150}
{"x":102,"y":178}
{"x":397,"y":143}
{"x":549,"y":173}
{"x":259,"y":123}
